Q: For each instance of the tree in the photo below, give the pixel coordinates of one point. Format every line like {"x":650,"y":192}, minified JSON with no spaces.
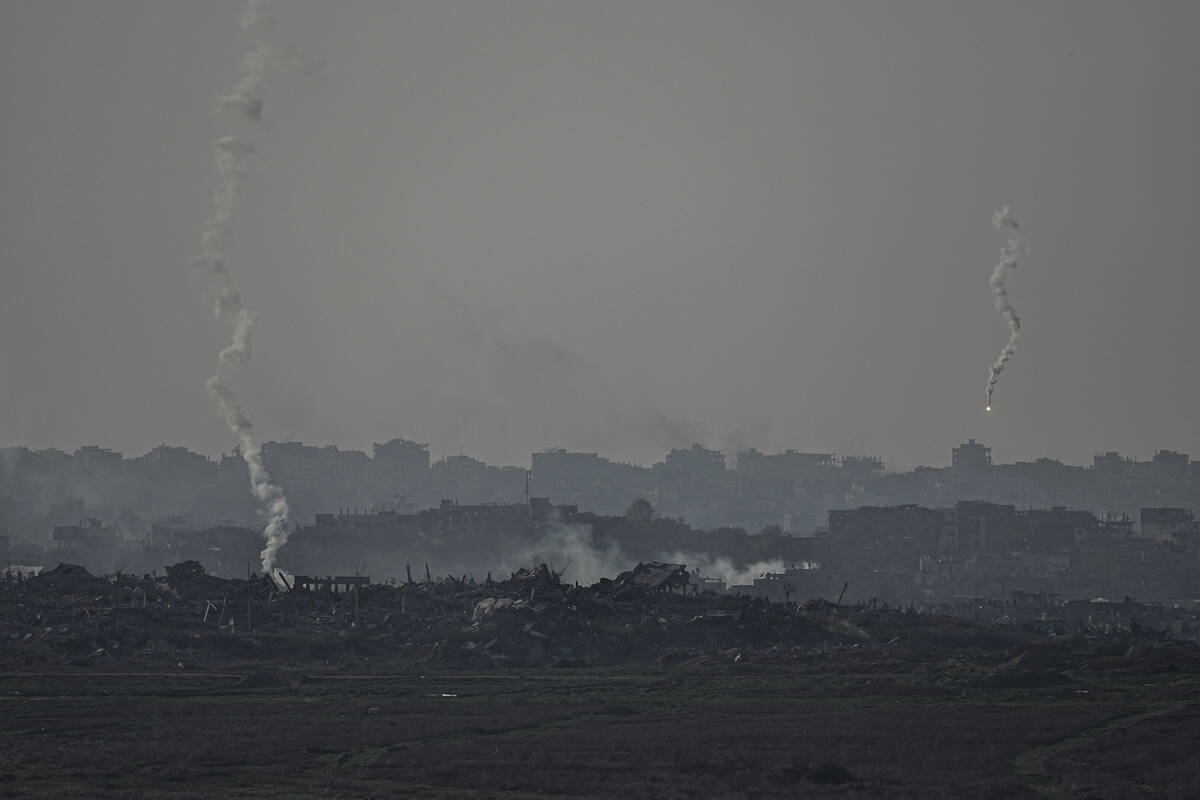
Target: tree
{"x":640,"y":510}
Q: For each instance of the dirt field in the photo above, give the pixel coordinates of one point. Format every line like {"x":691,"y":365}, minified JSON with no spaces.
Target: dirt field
{"x":851,"y":727}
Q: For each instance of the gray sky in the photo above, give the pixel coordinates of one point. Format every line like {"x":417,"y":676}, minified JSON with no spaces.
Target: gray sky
{"x":619,"y":225}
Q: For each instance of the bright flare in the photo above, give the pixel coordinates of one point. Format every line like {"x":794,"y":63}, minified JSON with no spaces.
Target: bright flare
{"x":989,"y":408}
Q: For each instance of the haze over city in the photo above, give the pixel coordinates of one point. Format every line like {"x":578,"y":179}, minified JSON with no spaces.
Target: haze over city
{"x":638,"y":399}
{"x":621,"y":227}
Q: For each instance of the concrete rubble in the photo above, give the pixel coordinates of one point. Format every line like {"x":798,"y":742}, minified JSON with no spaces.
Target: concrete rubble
{"x":186,"y":619}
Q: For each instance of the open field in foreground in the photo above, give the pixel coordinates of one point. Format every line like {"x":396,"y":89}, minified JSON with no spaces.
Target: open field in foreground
{"x":857,"y":727}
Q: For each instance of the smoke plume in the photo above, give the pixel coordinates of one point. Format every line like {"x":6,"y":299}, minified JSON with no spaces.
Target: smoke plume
{"x":721,"y":567}
{"x":238,"y":351}
{"x":271,"y":497}
{"x":1010,"y":255}
{"x":245,"y":102}
{"x":245,"y":98}
{"x":573,"y":552}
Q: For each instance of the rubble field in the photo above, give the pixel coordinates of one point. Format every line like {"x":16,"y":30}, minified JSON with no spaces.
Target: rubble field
{"x":186,"y":685}
{"x":188,"y":620}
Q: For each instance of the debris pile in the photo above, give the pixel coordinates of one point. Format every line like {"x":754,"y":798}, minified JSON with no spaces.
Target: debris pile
{"x":187,"y":619}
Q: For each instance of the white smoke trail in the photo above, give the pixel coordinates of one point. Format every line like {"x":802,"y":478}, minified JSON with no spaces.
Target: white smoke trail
{"x":271,"y":496}
{"x":1010,"y":255}
{"x":233,"y":152}
{"x":238,"y":351}
{"x":232,"y":155}
{"x":245,"y":98}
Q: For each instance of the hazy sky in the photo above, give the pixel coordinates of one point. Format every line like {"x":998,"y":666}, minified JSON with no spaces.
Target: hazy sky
{"x":620,"y":226}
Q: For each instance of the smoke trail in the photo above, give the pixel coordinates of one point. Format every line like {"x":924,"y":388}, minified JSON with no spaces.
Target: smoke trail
{"x":232,"y":155}
{"x":245,"y":98}
{"x":238,"y":351}
{"x":267,"y":493}
{"x":1010,"y":256}
{"x":233,"y":152}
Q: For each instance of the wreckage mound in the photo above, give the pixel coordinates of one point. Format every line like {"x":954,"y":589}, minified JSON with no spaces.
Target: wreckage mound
{"x":64,"y":578}
{"x":644,"y":616}
{"x":187,"y":619}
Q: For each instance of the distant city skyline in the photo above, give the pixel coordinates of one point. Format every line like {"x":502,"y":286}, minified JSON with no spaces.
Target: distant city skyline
{"x":435,"y":454}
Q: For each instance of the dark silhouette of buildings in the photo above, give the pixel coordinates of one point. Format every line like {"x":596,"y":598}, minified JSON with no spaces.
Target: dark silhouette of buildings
{"x":157,"y":500}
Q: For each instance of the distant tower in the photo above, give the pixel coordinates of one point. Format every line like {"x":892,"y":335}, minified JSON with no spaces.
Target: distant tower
{"x":972,"y":456}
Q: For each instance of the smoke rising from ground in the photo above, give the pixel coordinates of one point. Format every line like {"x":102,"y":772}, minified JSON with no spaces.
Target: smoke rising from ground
{"x":1010,"y":255}
{"x":723,"y":568}
{"x":271,"y":497}
{"x":571,"y":550}
{"x":245,"y":102}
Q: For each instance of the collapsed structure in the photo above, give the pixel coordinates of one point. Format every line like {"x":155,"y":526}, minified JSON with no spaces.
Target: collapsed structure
{"x":187,"y":619}
{"x":907,"y":554}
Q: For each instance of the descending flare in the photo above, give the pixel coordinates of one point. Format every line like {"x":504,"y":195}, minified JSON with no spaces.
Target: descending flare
{"x":1010,"y":256}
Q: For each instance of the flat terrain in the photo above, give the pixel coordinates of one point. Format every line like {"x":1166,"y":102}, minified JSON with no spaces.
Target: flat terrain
{"x":854,"y":725}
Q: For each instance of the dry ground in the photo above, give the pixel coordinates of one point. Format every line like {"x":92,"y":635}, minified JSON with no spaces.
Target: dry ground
{"x":854,"y":728}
